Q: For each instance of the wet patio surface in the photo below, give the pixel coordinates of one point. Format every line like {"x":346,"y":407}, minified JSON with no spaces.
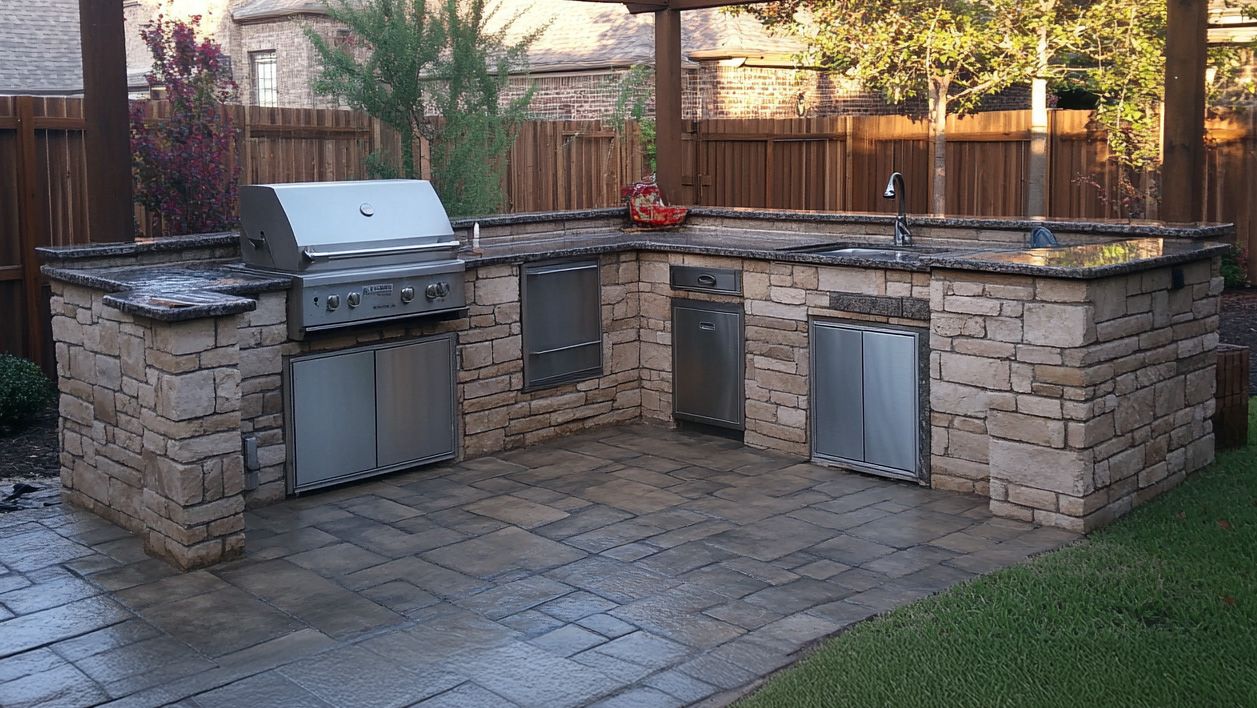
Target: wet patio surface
{"x":633,"y":566}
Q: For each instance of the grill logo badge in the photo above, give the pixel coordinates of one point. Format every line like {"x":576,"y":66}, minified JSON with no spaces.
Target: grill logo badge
{"x":384,"y":289}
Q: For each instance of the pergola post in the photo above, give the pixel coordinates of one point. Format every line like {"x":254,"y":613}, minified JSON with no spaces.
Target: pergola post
{"x":668,"y":102}
{"x":1183,"y":142}
{"x":107,"y":138}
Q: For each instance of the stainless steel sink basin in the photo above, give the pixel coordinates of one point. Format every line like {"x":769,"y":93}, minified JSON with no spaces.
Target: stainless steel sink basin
{"x":888,"y":253}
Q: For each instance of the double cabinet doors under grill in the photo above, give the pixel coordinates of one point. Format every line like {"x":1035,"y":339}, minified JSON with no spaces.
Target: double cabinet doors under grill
{"x":358,"y":412}
{"x":865,"y":389}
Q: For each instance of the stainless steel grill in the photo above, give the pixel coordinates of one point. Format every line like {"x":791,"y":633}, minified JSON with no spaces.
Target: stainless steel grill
{"x":358,"y":252}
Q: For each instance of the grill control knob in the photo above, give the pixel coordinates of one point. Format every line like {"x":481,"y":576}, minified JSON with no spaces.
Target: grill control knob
{"x":354,"y":299}
{"x":436,"y":290}
{"x":333,"y":302}
{"x":408,"y":294}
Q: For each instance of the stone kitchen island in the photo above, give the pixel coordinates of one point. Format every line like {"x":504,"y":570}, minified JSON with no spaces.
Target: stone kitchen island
{"x":1067,"y":385}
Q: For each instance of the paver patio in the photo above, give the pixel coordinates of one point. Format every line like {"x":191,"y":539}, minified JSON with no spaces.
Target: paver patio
{"x":633,"y":566}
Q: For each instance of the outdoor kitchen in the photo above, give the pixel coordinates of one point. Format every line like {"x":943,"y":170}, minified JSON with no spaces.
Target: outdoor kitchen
{"x":352,"y":330}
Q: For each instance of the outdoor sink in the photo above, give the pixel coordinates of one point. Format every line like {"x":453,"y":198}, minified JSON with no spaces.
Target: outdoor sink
{"x":887,"y":252}
{"x":894,"y":254}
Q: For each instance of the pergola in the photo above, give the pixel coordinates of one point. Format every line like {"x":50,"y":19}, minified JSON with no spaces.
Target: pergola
{"x":108,"y":148}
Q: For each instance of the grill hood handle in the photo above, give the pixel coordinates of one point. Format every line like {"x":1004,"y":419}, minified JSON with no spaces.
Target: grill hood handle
{"x":314,"y":256}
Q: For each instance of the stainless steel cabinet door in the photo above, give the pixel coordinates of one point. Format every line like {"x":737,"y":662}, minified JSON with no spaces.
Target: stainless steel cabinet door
{"x":562,"y":322}
{"x":333,"y":416}
{"x":414,"y":402}
{"x":837,"y":392}
{"x":890,"y":400}
{"x":707,"y":366}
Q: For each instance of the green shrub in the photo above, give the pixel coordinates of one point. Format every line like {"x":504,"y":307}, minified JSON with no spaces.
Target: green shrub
{"x":1235,"y":268}
{"x":24,"y":391}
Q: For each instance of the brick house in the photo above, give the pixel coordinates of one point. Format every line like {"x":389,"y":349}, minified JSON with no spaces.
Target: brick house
{"x":733,"y":68}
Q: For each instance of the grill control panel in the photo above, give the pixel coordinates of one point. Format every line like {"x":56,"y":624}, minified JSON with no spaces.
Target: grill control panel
{"x":318,"y":304}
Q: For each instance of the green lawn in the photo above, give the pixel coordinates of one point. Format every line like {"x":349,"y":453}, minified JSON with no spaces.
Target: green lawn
{"x":1159,"y":609}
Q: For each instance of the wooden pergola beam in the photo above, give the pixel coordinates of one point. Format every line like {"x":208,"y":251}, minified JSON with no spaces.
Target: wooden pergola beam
{"x":107,"y":136}
{"x":668,"y":114}
{"x":1183,"y":140}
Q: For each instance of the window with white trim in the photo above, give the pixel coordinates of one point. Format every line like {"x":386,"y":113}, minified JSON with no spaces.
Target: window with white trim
{"x":265,"y":88}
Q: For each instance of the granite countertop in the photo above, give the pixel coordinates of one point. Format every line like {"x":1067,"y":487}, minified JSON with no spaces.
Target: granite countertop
{"x":1096,"y":260}
{"x":169,"y":244}
{"x":172,"y":292}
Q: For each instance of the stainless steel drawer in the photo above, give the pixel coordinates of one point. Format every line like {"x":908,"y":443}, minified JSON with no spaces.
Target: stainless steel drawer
{"x":707,"y":280}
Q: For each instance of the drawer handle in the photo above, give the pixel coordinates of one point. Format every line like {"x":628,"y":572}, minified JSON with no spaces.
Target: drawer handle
{"x":708,"y":280}
{"x":563,"y":349}
{"x":710,"y":326}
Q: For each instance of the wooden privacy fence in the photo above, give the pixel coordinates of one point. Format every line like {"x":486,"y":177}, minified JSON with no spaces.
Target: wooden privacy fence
{"x":832,"y":163}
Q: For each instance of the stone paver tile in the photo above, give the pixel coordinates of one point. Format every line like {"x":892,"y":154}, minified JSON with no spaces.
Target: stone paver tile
{"x":630,"y":552}
{"x":850,"y":550}
{"x":639,"y":697}
{"x":39,"y":549}
{"x":502,"y":551}
{"x":606,"y":625}
{"x":439,"y":581}
{"x":287,"y":543}
{"x":395,"y":542}
{"x":601,"y":450}
{"x":176,"y":587}
{"x":315,"y":600}
{"x":760,"y":658}
{"x":843,"y":613}
{"x":837,"y":522}
{"x":625,"y":672}
{"x":759,"y":570}
{"x":220,"y":622}
{"x":514,"y":597}
{"x":338,"y":559}
{"x":645,"y":649}
{"x":964,"y":542}
{"x":568,"y":640}
{"x":400,"y":596}
{"x":684,"y":558}
{"x":798,"y":595}
{"x":612,"y":579}
{"x":632,"y":496}
{"x":1046,"y":538}
{"x":440,"y":632}
{"x":658,"y":480}
{"x":465,"y":695}
{"x":776,"y":484}
{"x":53,"y":586}
{"x":696,"y":488}
{"x":749,"y":508}
{"x":62,"y":622}
{"x":282,"y":518}
{"x":743,"y":614}
{"x":127,"y":549}
{"x":821,"y":569}
{"x":140,"y":657}
{"x":353,"y":675}
{"x":910,"y":528}
{"x":552,"y":460}
{"x":158,"y":675}
{"x":887,"y":597}
{"x":845,"y":501}
{"x":576,"y":605}
{"x":269,"y":689}
{"x":693,"y":532}
{"x":531,"y":676}
{"x":796,"y":560}
{"x":380,"y":509}
{"x":770,"y":539}
{"x":686,"y":625}
{"x":858,"y":579}
{"x":63,"y":686}
{"x":718,"y":672}
{"x":726,"y":581}
{"x":90,"y":565}
{"x":482,"y":468}
{"x":517,"y":511}
{"x":117,"y":635}
{"x":12,"y":581}
{"x":582,"y":521}
{"x":908,"y":561}
{"x":27,"y":663}
{"x":531,"y":623}
{"x":499,"y":485}
{"x":680,"y":685}
{"x":795,"y":631}
{"x":437,"y":495}
{"x":125,"y":576}
{"x":609,"y":537}
{"x":935,"y":578}
{"x":989,"y":561}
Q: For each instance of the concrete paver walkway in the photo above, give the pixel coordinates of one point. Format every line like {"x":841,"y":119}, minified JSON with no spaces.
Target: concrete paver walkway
{"x":633,"y":566}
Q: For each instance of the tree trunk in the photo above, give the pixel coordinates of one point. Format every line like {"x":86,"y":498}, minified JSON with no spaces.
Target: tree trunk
{"x":408,"y":153}
{"x":938,"y":147}
{"x":1036,"y":185}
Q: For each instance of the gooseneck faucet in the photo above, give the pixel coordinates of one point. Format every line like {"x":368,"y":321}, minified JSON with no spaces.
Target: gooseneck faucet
{"x":894,"y":188}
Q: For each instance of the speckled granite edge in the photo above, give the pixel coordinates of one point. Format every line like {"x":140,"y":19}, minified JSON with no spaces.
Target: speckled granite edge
{"x":156,"y":306}
{"x":1087,"y":226}
{"x":535,"y":217}
{"x":975,"y":262}
{"x":92,"y":278}
{"x":135,"y":248}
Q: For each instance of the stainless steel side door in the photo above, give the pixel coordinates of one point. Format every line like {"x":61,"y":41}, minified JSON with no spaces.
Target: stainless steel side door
{"x":562,"y":322}
{"x":414,"y":388}
{"x":333,"y":416}
{"x":708,"y":359}
{"x":890,"y":400}
{"x":837,"y":392}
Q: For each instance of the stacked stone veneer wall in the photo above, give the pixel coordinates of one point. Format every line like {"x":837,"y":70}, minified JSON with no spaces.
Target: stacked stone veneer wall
{"x":150,"y":414}
{"x":1067,"y":401}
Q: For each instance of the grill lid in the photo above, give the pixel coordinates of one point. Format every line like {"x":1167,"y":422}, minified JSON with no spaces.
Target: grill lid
{"x":314,"y":226}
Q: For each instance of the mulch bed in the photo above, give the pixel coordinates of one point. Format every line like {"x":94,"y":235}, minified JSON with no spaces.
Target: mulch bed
{"x":1238,"y":325}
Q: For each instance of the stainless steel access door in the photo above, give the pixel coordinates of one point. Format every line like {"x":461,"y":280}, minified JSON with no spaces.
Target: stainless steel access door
{"x":333,"y":417}
{"x":890,"y":400}
{"x":708,"y":363}
{"x":837,"y":392}
{"x":414,"y":393}
{"x":562,"y":321}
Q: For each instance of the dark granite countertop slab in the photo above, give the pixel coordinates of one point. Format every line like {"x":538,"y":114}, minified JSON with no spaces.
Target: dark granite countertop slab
{"x":135,"y":248}
{"x":178,"y":307}
{"x":1096,"y":260}
{"x":1111,"y":227}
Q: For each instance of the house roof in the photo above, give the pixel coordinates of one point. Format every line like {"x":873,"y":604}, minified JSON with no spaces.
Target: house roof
{"x":39,"y":47}
{"x":587,"y":35}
